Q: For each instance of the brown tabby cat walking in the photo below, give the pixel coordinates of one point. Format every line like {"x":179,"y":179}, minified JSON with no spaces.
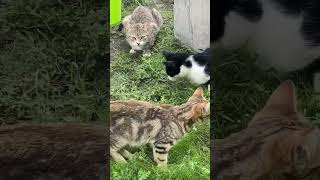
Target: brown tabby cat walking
{"x":141,"y":29}
{"x":278,"y":144}
{"x":135,"y":123}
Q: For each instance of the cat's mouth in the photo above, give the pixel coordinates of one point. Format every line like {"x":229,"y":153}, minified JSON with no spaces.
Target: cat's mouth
{"x":138,"y":47}
{"x":206,"y":112}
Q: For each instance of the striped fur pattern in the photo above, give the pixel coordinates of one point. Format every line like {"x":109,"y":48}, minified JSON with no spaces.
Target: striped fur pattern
{"x":136,"y":123}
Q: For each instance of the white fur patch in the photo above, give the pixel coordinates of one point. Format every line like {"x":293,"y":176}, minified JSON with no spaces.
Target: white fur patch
{"x":195,"y":74}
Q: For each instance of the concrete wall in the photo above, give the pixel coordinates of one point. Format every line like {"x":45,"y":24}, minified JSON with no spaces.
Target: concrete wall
{"x":192,"y":23}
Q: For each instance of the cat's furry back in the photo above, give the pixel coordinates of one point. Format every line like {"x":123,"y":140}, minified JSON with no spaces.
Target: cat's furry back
{"x":136,"y":123}
{"x":284,"y":34}
{"x":195,"y":67}
{"x":141,"y":28}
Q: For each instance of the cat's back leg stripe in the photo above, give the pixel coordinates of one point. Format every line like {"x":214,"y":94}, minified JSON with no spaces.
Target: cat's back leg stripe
{"x":161,"y":152}
{"x":161,"y":159}
{"x":160,"y":148}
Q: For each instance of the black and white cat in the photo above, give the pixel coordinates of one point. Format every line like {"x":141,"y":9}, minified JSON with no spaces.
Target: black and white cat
{"x":285,"y":34}
{"x":194,"y":67}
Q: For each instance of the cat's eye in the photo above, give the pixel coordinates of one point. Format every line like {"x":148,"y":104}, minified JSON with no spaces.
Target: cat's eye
{"x":133,"y":38}
{"x":143,"y":37}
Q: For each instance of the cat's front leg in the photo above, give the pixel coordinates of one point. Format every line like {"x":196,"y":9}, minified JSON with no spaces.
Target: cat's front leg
{"x":160,"y":153}
{"x":146,"y":53}
{"x":126,"y":154}
{"x":132,"y":51}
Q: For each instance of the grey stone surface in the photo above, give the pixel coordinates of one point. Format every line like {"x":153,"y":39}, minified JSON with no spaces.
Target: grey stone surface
{"x":192,"y":23}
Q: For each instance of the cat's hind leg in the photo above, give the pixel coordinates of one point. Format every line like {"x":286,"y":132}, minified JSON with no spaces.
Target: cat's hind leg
{"x":116,"y":155}
{"x":160,"y":153}
{"x":126,"y":154}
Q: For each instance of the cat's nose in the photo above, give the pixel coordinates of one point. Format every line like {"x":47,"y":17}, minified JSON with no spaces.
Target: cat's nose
{"x":138,"y":43}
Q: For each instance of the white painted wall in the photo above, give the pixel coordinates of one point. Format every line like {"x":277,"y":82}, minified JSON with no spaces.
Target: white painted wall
{"x":192,"y":23}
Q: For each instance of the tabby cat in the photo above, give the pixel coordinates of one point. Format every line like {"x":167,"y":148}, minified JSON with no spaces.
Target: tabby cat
{"x":136,"y":123}
{"x":141,"y":29}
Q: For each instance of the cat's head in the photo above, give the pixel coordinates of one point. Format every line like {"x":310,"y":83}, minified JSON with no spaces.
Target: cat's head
{"x":138,"y":35}
{"x":296,"y":148}
{"x":176,"y":64}
{"x":200,"y":107}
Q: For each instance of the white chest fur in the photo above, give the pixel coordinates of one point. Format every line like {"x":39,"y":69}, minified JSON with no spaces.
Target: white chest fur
{"x":196,"y":73}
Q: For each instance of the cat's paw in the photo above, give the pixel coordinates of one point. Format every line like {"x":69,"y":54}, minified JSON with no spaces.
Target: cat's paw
{"x":162,"y":165}
{"x":132,"y":51}
{"x":146,"y":54}
{"x":126,"y":154}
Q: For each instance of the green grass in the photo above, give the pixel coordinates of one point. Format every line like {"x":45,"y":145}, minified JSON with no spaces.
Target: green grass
{"x":144,"y":78}
{"x":242,"y":89}
{"x":53,"y":61}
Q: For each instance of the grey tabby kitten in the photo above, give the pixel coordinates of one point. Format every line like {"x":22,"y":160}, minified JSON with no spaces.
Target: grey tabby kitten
{"x":136,"y":123}
{"x":141,"y":29}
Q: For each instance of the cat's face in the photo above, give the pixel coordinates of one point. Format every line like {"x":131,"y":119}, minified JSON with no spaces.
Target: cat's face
{"x":175,"y":65}
{"x":299,"y":142}
{"x":138,"y":35}
{"x":201,"y":106}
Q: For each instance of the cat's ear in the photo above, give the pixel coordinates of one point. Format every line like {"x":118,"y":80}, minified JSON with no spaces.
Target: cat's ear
{"x":167,"y":54}
{"x":283,"y":98}
{"x":126,"y":22}
{"x":198,"y":93}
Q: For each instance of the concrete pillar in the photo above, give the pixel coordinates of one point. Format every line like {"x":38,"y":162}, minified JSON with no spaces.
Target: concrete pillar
{"x":192,"y":23}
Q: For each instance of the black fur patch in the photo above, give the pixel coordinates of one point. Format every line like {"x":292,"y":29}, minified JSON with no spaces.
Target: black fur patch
{"x":162,"y":152}
{"x":249,"y":9}
{"x":120,"y":27}
{"x":161,"y":159}
{"x":173,"y":62}
{"x":310,"y":10}
{"x":311,"y":22}
{"x":220,"y":8}
{"x":293,"y":7}
{"x":159,"y":147}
